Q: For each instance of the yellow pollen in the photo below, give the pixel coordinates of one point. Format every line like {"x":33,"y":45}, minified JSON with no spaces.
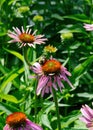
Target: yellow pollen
{"x":16,"y":119}
{"x":51,"y":66}
{"x":26,"y":38}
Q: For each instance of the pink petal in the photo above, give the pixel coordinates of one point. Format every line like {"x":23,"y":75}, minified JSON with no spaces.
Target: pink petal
{"x":85,"y":120}
{"x":42,"y":82}
{"x":33,"y":125}
{"x":85,"y":113}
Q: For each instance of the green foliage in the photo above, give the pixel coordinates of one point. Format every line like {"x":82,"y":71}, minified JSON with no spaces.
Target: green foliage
{"x":61,"y":21}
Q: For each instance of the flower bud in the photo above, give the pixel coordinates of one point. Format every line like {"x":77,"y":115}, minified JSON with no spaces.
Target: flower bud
{"x":23,"y":9}
{"x":66,"y":36}
{"x":38,"y":18}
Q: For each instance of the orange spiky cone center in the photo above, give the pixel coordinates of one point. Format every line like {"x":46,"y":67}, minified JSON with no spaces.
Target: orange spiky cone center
{"x":16,"y":119}
{"x":51,"y":66}
{"x":26,"y":38}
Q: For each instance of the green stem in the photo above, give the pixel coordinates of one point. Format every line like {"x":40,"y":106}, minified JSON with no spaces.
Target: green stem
{"x":57,"y":109}
{"x":26,"y":56}
{"x":34,"y":59}
{"x":26,"y":68}
{"x":35,"y":103}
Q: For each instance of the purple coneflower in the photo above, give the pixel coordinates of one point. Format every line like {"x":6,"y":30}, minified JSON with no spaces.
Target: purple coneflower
{"x":50,"y":74}
{"x":19,"y":121}
{"x":26,"y":37}
{"x":87,"y":116}
{"x":88,"y":27}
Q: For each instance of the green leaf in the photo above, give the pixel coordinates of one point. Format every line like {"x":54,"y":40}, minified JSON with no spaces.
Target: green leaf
{"x":89,"y":2}
{"x":57,"y":16}
{"x":2,"y":2}
{"x":73,"y":29}
{"x":45,"y":121}
{"x":79,"y":17}
{"x":81,"y":68}
{"x":3,"y":69}
{"x":8,"y":108}
{"x":11,"y":2}
{"x":18,"y":55}
{"x":79,"y":125}
{"x":11,"y":78}
{"x":8,"y":97}
{"x":85,"y":95}
{"x":66,"y":121}
{"x":2,"y":34}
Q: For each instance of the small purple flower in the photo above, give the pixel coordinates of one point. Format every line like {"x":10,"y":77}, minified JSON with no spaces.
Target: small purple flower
{"x":19,"y":121}
{"x":87,"y":116}
{"x":50,"y":74}
{"x":88,"y":27}
{"x":26,"y":37}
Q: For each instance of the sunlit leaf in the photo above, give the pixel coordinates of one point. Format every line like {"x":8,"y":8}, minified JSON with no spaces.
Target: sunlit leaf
{"x":2,"y":34}
{"x":45,"y":121}
{"x":2,"y":2}
{"x":8,"y":97}
{"x":81,"y":68}
{"x":18,"y":55}
{"x":66,"y":121}
{"x":11,"y":78}
{"x":85,"y":95}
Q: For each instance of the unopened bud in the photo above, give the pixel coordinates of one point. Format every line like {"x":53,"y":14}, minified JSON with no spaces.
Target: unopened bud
{"x":38,"y":18}
{"x":66,"y":36}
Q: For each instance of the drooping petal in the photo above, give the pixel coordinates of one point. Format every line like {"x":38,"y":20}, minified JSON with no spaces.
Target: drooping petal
{"x":87,"y":116}
{"x":37,"y":68}
{"x":42,"y":82}
{"x":70,"y":84}
{"x":90,"y":124}
{"x":59,"y":82}
{"x":32,"y":126}
{"x":89,"y":110}
{"x":55,"y":86}
{"x":84,"y":119}
{"x":6,"y":127}
{"x":64,"y":70}
{"x":85,"y":113}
